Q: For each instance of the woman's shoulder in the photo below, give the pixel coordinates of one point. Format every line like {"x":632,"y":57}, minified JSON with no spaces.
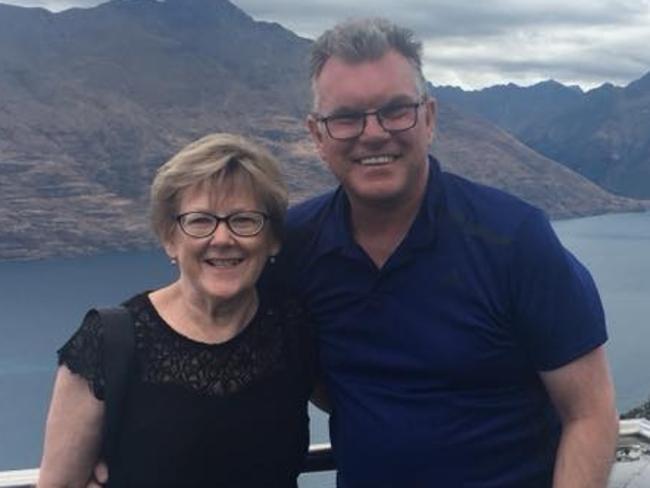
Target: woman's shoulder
{"x":138,"y":303}
{"x":83,"y":352}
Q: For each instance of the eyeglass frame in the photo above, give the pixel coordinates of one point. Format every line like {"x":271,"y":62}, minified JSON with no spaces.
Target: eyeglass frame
{"x":226,"y":218}
{"x":322,"y":119}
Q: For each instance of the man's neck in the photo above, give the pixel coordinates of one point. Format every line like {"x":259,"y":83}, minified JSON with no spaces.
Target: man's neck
{"x":380,"y":227}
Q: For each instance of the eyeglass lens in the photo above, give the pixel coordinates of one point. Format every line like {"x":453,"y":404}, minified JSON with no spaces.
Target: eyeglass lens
{"x":202,"y":224}
{"x":392,"y":118}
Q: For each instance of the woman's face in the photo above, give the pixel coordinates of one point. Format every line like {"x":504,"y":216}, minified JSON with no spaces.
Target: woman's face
{"x":223,"y":266}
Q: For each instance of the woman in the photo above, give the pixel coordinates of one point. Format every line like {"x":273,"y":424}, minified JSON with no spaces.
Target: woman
{"x":222,"y":376}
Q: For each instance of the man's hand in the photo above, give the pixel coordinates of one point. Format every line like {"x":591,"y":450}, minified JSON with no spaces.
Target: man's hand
{"x":320,"y":397}
{"x":100,"y":476}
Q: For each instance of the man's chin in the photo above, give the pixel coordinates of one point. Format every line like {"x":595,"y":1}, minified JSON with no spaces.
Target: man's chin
{"x":379,"y":195}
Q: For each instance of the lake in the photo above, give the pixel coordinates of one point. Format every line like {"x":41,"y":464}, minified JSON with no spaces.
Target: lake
{"x":42,"y":303}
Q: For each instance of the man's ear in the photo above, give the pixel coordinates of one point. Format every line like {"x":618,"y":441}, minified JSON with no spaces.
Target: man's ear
{"x":314,"y":130}
{"x":430,"y":116}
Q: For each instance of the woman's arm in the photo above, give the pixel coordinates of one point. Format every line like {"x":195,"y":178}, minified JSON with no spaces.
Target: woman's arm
{"x":73,"y":433}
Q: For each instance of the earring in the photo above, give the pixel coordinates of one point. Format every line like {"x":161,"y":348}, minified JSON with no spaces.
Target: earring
{"x":172,"y":261}
{"x":272,"y":259}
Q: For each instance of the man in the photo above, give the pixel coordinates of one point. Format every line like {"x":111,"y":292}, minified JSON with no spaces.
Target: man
{"x":460,"y":343}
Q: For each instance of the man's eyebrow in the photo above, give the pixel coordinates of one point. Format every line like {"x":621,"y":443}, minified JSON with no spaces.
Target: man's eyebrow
{"x":400,"y":99}
{"x":348,"y":110}
{"x":345,"y":110}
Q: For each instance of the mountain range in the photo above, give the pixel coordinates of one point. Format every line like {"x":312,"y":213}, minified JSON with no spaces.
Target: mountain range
{"x":93,"y":100}
{"x":603,"y":134}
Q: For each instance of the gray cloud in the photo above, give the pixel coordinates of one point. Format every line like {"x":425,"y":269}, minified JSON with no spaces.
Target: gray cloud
{"x":496,"y":41}
{"x":53,"y":5}
{"x":474,"y":44}
{"x":442,"y":18}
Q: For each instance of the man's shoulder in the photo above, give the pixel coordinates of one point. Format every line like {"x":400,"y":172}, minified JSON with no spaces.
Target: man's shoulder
{"x":476,"y":202}
{"x":301,"y":230}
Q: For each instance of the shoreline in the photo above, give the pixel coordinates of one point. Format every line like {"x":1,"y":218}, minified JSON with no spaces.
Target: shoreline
{"x":82,"y":250}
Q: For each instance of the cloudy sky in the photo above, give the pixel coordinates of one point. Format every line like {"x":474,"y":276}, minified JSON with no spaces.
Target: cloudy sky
{"x":474,"y":44}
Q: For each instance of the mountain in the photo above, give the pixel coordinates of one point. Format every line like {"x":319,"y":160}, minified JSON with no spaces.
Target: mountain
{"x":603,"y":134}
{"x":474,"y":148}
{"x":93,"y":100}
{"x":512,"y":107}
{"x":640,"y":412}
{"x":606,"y":138}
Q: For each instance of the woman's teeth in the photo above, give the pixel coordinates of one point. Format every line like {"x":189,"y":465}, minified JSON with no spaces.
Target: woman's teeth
{"x":224,"y":263}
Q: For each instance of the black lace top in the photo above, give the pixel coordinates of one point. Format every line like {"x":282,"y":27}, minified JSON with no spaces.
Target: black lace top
{"x":208,"y":415}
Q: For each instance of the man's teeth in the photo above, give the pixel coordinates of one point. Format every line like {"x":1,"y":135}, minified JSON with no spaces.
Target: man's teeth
{"x":376,"y":160}
{"x":224,"y":263}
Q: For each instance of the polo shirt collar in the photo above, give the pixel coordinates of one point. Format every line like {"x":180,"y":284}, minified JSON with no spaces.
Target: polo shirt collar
{"x":423,"y":231}
{"x":335,"y":234}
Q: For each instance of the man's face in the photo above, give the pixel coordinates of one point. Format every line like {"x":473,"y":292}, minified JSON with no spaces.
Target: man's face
{"x":376,"y":167}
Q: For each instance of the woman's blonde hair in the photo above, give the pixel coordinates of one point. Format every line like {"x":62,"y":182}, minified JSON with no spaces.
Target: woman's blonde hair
{"x":222,"y":159}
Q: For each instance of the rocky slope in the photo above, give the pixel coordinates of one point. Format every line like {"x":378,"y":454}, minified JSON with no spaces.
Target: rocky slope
{"x":484,"y":153}
{"x":640,"y":412}
{"x":606,"y":138}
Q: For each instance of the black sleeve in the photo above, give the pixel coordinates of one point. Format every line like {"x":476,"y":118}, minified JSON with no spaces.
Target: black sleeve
{"x":82,"y":354}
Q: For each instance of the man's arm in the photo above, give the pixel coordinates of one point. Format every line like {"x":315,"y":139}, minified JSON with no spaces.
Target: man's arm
{"x":72,"y":433}
{"x":583,"y":394}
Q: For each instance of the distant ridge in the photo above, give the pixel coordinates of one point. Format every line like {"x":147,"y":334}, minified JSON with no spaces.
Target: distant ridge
{"x":512,"y":107}
{"x":603,"y":134}
{"x":93,"y":100}
{"x":482,"y":152}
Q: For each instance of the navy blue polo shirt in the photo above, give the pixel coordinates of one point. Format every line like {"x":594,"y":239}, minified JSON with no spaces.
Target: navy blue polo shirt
{"x":432,"y":361}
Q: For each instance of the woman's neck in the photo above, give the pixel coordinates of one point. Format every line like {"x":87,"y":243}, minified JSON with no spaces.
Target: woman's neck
{"x":202,"y":318}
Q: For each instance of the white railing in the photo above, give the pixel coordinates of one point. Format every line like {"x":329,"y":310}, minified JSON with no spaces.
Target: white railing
{"x":18,"y":479}
{"x":319,"y":458}
{"x":637,"y":427}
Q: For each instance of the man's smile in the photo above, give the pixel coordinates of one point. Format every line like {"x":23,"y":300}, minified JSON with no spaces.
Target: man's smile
{"x":375,"y":160}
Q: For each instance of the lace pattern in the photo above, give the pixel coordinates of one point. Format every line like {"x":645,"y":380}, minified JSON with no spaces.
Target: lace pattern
{"x":82,"y":354}
{"x":165,"y":357}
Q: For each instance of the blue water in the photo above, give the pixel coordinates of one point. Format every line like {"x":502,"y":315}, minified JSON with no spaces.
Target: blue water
{"x":616,"y":249}
{"x":43,"y":301}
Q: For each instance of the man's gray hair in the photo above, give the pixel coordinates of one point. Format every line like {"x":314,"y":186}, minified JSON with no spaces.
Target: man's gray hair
{"x":359,"y":40}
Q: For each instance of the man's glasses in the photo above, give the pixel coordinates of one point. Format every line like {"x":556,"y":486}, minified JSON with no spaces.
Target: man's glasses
{"x":392,"y":118}
{"x":203,"y":224}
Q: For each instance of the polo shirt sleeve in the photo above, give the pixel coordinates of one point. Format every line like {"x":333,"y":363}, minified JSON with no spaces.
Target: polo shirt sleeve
{"x":557,"y":312}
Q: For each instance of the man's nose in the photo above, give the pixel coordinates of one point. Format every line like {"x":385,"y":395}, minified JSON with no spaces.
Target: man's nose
{"x":373,"y":128}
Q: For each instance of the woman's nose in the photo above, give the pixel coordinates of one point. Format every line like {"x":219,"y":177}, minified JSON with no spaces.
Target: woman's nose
{"x":222,"y":234}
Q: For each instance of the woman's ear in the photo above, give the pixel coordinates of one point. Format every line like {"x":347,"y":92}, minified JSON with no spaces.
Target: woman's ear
{"x":276,"y":246}
{"x":170,"y":248}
